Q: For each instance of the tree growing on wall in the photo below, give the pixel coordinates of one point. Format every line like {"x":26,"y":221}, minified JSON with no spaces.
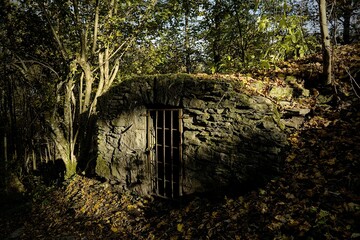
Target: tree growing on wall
{"x":90,"y":37}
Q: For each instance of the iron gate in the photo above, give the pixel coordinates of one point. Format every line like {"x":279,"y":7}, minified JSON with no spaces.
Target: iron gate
{"x":165,"y":144}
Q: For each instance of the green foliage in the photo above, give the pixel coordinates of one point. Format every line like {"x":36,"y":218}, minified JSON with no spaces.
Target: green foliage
{"x":219,"y":36}
{"x":205,"y":36}
{"x":288,"y":39}
{"x":235,"y":36}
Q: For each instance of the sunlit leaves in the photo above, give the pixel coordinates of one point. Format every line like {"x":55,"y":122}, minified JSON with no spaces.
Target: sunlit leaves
{"x":263,"y":23}
{"x":180,"y":227}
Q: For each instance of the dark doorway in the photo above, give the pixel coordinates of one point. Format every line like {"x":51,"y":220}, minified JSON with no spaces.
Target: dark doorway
{"x":165,"y":145}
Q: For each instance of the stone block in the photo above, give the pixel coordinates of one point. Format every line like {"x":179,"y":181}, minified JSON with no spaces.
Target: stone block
{"x":190,"y":137}
{"x":197,"y":104}
{"x":281,"y":93}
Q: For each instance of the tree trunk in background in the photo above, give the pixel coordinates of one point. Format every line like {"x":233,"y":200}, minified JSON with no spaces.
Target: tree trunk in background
{"x":3,"y":158}
{"x":346,"y":26}
{"x":326,"y":45}
{"x":217,"y":39}
{"x":347,"y":9}
{"x":187,"y":38}
{"x":2,"y":139}
{"x":240,"y":40}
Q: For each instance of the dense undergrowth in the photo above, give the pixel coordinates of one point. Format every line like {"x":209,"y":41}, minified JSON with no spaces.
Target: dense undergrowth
{"x":317,"y":195}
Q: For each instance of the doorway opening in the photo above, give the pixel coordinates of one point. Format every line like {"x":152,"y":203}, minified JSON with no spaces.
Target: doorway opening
{"x":165,"y":151}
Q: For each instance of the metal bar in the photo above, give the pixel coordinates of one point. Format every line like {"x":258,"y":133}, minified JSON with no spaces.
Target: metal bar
{"x":167,"y":109}
{"x":172,"y":152}
{"x":180,"y":152}
{"x":151,"y":149}
{"x":164,"y":152}
{"x":149,"y":144}
{"x":156,"y":154}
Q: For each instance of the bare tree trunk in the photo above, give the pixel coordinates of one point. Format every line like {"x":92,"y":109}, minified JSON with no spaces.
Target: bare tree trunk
{"x":326,"y":45}
{"x":216,"y":43}
{"x":346,"y":26}
{"x":240,"y":39}
{"x":5,"y":154}
{"x":187,"y":39}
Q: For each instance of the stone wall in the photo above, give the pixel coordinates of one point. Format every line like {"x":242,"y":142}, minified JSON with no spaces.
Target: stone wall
{"x":229,"y":137}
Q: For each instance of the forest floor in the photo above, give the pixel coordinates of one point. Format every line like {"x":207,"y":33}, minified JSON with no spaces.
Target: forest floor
{"x":317,"y":195}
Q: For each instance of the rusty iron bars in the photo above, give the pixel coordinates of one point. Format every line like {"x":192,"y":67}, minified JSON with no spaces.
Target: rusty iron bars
{"x":165,"y":158}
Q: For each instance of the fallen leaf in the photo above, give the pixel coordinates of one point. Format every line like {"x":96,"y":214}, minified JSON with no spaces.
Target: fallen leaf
{"x":179,"y":227}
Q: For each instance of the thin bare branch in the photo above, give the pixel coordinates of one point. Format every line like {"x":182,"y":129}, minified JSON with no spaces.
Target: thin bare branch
{"x":39,"y":63}
{"x":54,"y":32}
{"x":96,"y":26}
